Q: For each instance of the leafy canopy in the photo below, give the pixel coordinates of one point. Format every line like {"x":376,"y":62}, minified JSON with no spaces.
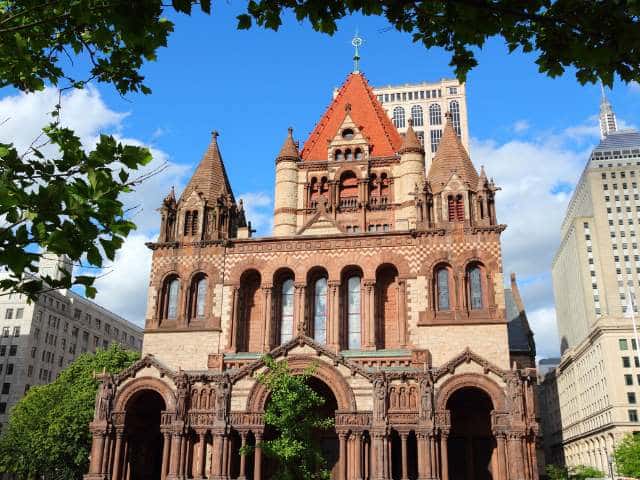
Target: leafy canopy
{"x":48,"y":430}
{"x":292,"y":411}
{"x":71,"y":201}
{"x":627,"y":456}
{"x":579,"y":472}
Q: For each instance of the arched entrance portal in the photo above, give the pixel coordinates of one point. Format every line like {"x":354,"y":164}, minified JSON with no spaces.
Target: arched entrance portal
{"x":327,"y":439}
{"x":471,"y":445}
{"x":144,"y":439}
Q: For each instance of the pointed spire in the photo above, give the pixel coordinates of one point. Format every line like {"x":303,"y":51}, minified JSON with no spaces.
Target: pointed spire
{"x":608,"y":122}
{"x":411,"y":142}
{"x":210,"y":178}
{"x":451,"y":157}
{"x":289,"y":150}
{"x":483,"y":182}
{"x":170,"y":199}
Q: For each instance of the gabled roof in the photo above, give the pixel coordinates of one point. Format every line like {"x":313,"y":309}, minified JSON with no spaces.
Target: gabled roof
{"x":451,"y":158}
{"x":366,"y":112}
{"x":210,"y":178}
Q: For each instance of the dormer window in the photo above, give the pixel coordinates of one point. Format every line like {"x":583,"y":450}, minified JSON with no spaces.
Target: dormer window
{"x":347,"y":133}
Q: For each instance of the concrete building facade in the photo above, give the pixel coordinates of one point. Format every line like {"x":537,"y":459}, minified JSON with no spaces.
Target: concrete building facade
{"x":39,"y":339}
{"x":426,"y":104}
{"x":593,"y":394}
{"x":387,"y":278}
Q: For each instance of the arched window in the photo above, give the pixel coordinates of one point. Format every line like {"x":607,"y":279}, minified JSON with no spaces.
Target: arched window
{"x":416,"y":116}
{"x":455,"y":208}
{"x":348,"y":156}
{"x":442,"y":289}
{"x":194,"y":222}
{"x":353,"y":313}
{"x":339,"y":156}
{"x":348,"y":190}
{"x":198,"y":297}
{"x":474,"y":281}
{"x":435,"y":114}
{"x":358,"y":154}
{"x":187,"y":223}
{"x":320,"y":310}
{"x":286,"y":311}
{"x":454,"y":109}
{"x":398,"y":117}
{"x":171,"y":293}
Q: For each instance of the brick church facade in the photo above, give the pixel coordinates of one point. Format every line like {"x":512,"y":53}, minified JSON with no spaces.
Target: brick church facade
{"x":389,"y":279}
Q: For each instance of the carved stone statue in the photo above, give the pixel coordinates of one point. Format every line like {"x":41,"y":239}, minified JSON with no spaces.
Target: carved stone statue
{"x":380,"y":398}
{"x":182,"y":394}
{"x":426,"y":398}
{"x":223,"y":392}
{"x":104,"y":397}
{"x":515,"y":395}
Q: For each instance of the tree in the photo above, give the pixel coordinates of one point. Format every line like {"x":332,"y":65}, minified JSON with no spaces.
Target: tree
{"x":292,"y":411}
{"x":627,"y":455}
{"x":583,"y":472}
{"x":48,"y":430}
{"x":59,"y":203}
{"x":555,"y":472}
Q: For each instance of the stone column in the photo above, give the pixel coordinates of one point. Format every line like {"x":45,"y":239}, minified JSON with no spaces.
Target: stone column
{"x":333,"y":322}
{"x":402,"y":312}
{"x":99,"y":434}
{"x":106,"y":457}
{"x":257,"y":457}
{"x":166,"y":451}
{"x":359,"y":457}
{"x":369,"y":320}
{"x":299,"y":322}
{"x":444,"y":455}
{"x":243,"y":458}
{"x":405,"y":467}
{"x":117,"y":456}
{"x":422,"y":455}
{"x":202,"y":454}
{"x":233,"y":318}
{"x":379,"y":446}
{"x":514,"y":453}
{"x":268,"y":318}
{"x":501,"y":451}
{"x":342,"y":460}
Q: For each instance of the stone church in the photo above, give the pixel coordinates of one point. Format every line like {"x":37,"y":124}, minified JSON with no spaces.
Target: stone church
{"x":386,"y":276}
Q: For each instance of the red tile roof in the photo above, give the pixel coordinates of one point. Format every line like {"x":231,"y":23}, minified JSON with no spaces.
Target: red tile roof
{"x":366,"y":112}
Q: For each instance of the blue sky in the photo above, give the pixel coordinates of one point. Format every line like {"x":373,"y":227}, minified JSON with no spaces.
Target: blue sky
{"x":533,"y":133}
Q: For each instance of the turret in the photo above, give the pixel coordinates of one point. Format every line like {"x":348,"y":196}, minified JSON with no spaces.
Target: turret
{"x":168,"y":215}
{"x":286,"y":194}
{"x":409,"y":175}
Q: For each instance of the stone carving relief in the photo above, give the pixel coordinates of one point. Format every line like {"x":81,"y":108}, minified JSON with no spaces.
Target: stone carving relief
{"x":104,"y":398}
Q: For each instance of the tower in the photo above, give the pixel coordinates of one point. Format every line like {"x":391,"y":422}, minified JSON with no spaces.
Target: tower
{"x":409,"y":178}
{"x":608,"y":121}
{"x":286,"y":188}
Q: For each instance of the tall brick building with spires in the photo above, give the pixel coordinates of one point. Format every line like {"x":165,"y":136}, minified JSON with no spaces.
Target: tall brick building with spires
{"x":388,"y":278}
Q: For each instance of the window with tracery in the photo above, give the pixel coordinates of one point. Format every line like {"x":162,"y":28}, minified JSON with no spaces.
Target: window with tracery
{"x":170,"y":300}
{"x":416,"y":116}
{"x":286,"y":311}
{"x":442,"y":288}
{"x":454,"y":109}
{"x":474,"y":276}
{"x":320,"y":311}
{"x":435,"y":114}
{"x":353,"y":313}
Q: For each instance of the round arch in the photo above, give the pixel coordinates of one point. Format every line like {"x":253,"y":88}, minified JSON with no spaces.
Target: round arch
{"x":475,"y":380}
{"x":131,"y":389}
{"x":330,"y":376}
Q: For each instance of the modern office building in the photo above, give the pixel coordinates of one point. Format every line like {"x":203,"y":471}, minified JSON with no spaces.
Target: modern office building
{"x":426,"y":104}
{"x":597,"y":382}
{"x":39,"y":339}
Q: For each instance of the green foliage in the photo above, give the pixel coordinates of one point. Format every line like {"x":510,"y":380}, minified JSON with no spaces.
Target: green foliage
{"x":579,"y":472}
{"x":597,"y":39}
{"x":627,"y":456}
{"x":48,"y":430}
{"x":292,"y":411}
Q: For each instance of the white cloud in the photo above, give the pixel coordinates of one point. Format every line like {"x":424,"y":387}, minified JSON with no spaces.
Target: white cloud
{"x":521,"y":126}
{"x":124,"y":288}
{"x":259,"y":211}
{"x":543,"y":324}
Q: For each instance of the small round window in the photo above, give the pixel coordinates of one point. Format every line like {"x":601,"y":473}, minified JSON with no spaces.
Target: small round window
{"x":347,"y":134}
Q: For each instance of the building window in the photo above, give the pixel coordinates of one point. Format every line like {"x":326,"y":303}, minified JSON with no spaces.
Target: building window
{"x":622,"y":342}
{"x":30,"y":371}
{"x":353,"y":312}
{"x":626,"y":363}
{"x":628,"y":379}
{"x":8,"y":314}
{"x":435,"y":114}
{"x":454,"y":109}
{"x":416,"y":116}
{"x":474,"y":275}
{"x":16,"y":331}
{"x":3,"y":407}
{"x":6,"y":387}
{"x":170,"y":297}
{"x":442,"y":285}
{"x":455,"y":208}
{"x":436,"y":135}
{"x":198,"y":296}
{"x":320,"y":311}
{"x":631,"y":397}
{"x":633,"y":415}
{"x":286,"y":311}
{"x":13,"y":350}
{"x":19,"y":313}
{"x":10,"y":369}
{"x":398,"y":117}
